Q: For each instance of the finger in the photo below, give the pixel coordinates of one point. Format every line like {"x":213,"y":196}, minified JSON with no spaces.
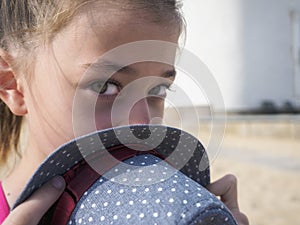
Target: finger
{"x":32,"y":210}
{"x":240,"y":217}
{"x":226,"y":188}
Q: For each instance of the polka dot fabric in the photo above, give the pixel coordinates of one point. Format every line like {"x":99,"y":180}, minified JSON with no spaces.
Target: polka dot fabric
{"x":182,"y":151}
{"x":175,"y":200}
{"x":143,"y":189}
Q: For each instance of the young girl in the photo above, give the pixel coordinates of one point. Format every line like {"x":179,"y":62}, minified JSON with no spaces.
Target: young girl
{"x":46,"y":49}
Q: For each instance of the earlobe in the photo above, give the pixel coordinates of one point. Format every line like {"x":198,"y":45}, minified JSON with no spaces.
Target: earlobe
{"x":10,"y":92}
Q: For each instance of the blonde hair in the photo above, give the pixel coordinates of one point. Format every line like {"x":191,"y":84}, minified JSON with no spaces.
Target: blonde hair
{"x":26,"y":24}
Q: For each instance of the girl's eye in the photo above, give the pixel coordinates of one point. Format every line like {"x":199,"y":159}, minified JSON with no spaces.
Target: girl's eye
{"x":159,"y":91}
{"x":107,"y":88}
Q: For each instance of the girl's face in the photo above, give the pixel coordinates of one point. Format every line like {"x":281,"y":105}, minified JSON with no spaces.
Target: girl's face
{"x":62,"y":71}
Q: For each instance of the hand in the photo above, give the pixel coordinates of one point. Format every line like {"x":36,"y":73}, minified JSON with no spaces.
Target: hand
{"x":31,"y":211}
{"x":226,"y":188}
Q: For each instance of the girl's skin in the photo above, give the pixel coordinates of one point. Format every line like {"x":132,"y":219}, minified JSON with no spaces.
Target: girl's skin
{"x":46,"y":98}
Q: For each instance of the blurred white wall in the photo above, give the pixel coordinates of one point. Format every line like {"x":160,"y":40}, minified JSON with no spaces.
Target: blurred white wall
{"x":249,"y":46}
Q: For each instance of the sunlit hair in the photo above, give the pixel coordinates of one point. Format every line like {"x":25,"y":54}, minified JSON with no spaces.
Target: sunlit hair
{"x":26,"y":25}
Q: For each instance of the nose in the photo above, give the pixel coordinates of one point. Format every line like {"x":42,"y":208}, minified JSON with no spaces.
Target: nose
{"x":139,"y":113}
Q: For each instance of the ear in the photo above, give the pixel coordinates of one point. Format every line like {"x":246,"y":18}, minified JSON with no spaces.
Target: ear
{"x":10,"y":91}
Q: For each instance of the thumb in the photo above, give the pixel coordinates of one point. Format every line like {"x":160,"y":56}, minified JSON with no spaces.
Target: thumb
{"x":31,"y":211}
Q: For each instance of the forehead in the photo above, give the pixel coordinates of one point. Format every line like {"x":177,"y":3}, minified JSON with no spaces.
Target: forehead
{"x":113,"y":26}
{"x":94,"y":32}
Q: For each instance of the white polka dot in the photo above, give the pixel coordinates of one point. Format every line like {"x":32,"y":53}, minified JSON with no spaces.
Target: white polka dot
{"x":90,"y":219}
{"x":155,"y":214}
{"x":80,"y":220}
{"x":226,"y":219}
{"x":171,"y":200}
{"x":102,"y":218}
{"x":93,"y":205}
{"x":118,"y":203}
{"x":159,"y":189}
{"x":142,"y":215}
{"x":186,"y":191}
{"x":121,"y":191}
{"x":144,"y":202}
{"x":105,"y":204}
{"x":157,"y":201}
{"x":173,"y":189}
{"x":169,"y":214}
{"x":82,"y":206}
{"x":97,"y":192}
{"x":134,"y":190}
{"x":147,"y":190}
{"x":115,"y":217}
{"x":182,"y":215}
{"x":109,"y":192}
{"x":149,"y":179}
{"x":130,"y":202}
{"x":198,"y":205}
{"x":128,"y":216}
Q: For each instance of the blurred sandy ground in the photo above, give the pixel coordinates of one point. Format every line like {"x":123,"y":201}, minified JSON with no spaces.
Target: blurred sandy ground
{"x":268,"y":171}
{"x":264,"y":154}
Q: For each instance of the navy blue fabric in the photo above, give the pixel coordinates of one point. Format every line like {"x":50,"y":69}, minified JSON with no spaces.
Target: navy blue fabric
{"x":184,"y":152}
{"x":143,"y":189}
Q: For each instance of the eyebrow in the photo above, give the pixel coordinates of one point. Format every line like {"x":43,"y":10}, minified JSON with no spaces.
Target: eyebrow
{"x":107,"y":65}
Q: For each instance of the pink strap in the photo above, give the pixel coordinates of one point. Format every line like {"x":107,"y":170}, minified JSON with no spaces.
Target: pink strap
{"x":4,"y":207}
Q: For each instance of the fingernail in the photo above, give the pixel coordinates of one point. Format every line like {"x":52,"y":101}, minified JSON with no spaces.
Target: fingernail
{"x":58,"y":182}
